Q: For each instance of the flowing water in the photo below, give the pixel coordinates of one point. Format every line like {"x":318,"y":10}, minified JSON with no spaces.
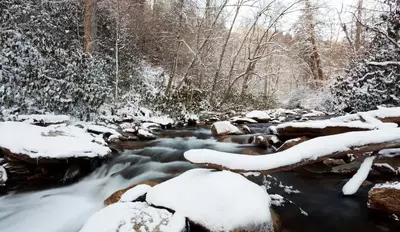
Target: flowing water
{"x":66,"y":209}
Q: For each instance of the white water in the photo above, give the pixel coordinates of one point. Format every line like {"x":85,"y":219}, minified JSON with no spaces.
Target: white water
{"x":66,"y":209}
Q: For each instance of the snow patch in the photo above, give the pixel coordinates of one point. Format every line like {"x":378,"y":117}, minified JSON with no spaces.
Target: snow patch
{"x":356,"y":181}
{"x":135,"y":192}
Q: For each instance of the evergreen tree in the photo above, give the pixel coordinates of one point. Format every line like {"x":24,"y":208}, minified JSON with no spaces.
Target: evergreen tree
{"x":374,"y":80}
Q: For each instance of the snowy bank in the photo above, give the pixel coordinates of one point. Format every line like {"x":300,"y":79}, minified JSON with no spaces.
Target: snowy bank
{"x":306,"y":152}
{"x":219,"y":201}
{"x":43,"y":119}
{"x":49,"y":142}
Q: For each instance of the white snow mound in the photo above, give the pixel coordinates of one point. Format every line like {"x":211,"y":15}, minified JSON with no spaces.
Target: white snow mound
{"x":217,"y":200}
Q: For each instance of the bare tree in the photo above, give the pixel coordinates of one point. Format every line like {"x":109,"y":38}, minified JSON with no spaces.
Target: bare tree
{"x":357,"y":41}
{"x":89,"y":23}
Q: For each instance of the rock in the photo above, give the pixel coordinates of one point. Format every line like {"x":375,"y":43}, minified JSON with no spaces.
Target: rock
{"x":3,"y":176}
{"x":145,"y":135}
{"x":385,"y":197}
{"x":246,"y":130}
{"x":292,"y":142}
{"x":240,"y":120}
{"x":261,"y":142}
{"x":333,"y":162}
{"x":259,"y":116}
{"x":224,"y":128}
{"x":349,"y":168}
{"x":134,"y":216}
{"x":215,"y":200}
{"x":43,"y":119}
{"x":115,"y":197}
{"x":249,"y":152}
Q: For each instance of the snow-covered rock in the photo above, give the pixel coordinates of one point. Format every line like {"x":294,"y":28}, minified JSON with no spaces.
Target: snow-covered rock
{"x":133,"y":217}
{"x":135,"y":192}
{"x":385,"y":197}
{"x":191,"y":119}
{"x":219,"y":201}
{"x":43,"y":119}
{"x":224,"y":128}
{"x":49,"y":142}
{"x":356,"y":181}
{"x":3,"y":176}
{"x":240,"y":120}
{"x":145,"y":134}
{"x":116,"y":196}
{"x":259,"y":116}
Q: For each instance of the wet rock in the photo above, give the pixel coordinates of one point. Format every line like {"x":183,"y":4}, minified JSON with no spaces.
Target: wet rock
{"x":115,"y":197}
{"x":145,"y":135}
{"x":249,"y":152}
{"x":349,"y":168}
{"x":292,"y":142}
{"x":333,"y":162}
{"x":224,"y":128}
{"x":385,"y":197}
{"x":3,"y":176}
{"x":246,"y":130}
{"x":261,"y":142}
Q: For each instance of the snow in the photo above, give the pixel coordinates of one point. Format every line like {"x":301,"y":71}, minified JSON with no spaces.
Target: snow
{"x":321,"y":124}
{"x":389,"y":152}
{"x":277,"y":200}
{"x":102,"y":129}
{"x":43,"y":118}
{"x":356,"y":181}
{"x":378,"y":123}
{"x":162,"y":120}
{"x":308,"y":150}
{"x":3,"y":176}
{"x":225,"y":127}
{"x":385,"y":165}
{"x":192,"y":117}
{"x":145,"y":133}
{"x":392,"y":185}
{"x":314,"y":113}
{"x":49,"y":142}
{"x":135,"y":192}
{"x":131,"y":217}
{"x":219,"y":201}
{"x":257,"y":114}
{"x":380,"y":113}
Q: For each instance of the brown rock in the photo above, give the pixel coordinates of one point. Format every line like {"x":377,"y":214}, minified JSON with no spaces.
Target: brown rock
{"x":292,"y":142}
{"x":249,"y":152}
{"x":117,"y":195}
{"x":385,"y":199}
{"x":333,"y":162}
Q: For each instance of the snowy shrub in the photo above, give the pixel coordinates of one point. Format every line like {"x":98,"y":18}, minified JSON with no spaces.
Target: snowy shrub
{"x":374,"y":80}
{"x":41,"y":60}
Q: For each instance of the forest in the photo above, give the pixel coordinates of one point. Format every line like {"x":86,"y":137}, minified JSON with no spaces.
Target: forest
{"x":199,"y":115}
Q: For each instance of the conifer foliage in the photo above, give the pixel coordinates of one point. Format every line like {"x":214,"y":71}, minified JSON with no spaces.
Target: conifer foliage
{"x":374,"y":80}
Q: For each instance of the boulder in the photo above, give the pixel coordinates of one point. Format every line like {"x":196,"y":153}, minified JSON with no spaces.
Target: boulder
{"x":292,"y":142}
{"x":385,"y":197}
{"x":259,"y":116}
{"x":215,"y":200}
{"x":115,"y":197}
{"x":3,"y":176}
{"x":224,"y":128}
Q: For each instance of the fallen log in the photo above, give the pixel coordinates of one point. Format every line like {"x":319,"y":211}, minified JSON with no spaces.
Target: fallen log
{"x":311,"y":151}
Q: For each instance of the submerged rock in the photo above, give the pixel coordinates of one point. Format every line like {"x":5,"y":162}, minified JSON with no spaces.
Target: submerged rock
{"x":385,"y":197}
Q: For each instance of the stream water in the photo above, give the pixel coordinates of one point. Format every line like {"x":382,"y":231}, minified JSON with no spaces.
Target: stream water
{"x":312,"y":201}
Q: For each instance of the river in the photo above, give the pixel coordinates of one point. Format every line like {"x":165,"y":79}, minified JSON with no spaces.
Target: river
{"x":312,"y":201}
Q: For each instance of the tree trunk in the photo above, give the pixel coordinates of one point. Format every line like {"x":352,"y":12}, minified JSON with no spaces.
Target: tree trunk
{"x":315,"y":58}
{"x":221,"y":57}
{"x":358,"y":25}
{"x":117,"y":35}
{"x":89,"y":25}
{"x":178,"y":45}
